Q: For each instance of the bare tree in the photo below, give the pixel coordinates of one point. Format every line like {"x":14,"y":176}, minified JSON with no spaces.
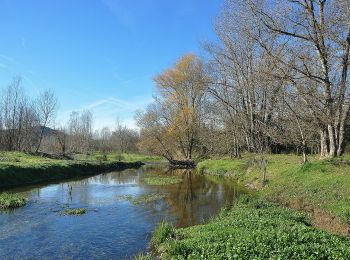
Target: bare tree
{"x":80,"y":131}
{"x":19,"y":118}
{"x":313,"y":37}
{"x":62,"y":138}
{"x":46,"y":107}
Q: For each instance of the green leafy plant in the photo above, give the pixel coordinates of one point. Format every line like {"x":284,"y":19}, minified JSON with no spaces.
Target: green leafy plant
{"x":252,"y":230}
{"x":10,"y":201}
{"x":74,"y":212}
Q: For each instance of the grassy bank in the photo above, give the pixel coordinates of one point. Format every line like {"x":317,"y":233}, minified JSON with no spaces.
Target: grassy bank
{"x":252,"y":230}
{"x":318,"y":184}
{"x":112,"y":157}
{"x":17,"y":169}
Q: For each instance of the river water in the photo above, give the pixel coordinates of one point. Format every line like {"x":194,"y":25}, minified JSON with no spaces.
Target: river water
{"x":113,"y":227}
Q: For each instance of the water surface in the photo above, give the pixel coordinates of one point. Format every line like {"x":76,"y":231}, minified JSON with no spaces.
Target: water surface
{"x":113,"y":227}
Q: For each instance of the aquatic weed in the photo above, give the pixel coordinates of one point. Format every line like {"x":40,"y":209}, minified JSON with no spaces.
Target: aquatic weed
{"x":73,"y":212}
{"x":164,"y":180}
{"x":11,"y":201}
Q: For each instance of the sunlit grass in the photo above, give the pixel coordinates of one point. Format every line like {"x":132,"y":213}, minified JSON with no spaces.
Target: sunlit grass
{"x":252,"y":230}
{"x":18,"y":168}
{"x":114,"y":157}
{"x":322,"y":183}
{"x":26,"y":160}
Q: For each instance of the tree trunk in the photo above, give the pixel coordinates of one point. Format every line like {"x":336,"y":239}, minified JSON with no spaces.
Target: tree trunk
{"x":40,"y":139}
{"x":323,"y":142}
{"x":305,"y":160}
{"x":332,"y":144}
{"x":341,"y":139}
{"x":341,"y":133}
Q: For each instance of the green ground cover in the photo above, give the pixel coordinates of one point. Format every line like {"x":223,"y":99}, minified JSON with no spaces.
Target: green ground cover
{"x":324,"y":184}
{"x":17,"y":168}
{"x":110,"y":157}
{"x":251,"y":230}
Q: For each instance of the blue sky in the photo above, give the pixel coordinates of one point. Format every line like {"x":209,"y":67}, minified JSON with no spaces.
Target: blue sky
{"x":99,"y":54}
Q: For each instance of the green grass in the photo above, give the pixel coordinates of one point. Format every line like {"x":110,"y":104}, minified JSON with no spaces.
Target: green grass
{"x":162,"y":233}
{"x":163,"y":180}
{"x":142,"y":158}
{"x":252,"y":230}
{"x":323,"y":184}
{"x":20,"y":159}
{"x":17,"y":168}
{"x":113,"y":157}
{"x":11,"y":201}
{"x":222,"y":167}
{"x":74,"y":212}
{"x":142,"y":257}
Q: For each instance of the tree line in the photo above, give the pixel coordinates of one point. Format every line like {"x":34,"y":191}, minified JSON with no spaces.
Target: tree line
{"x":28,"y":125}
{"x":23,"y":120}
{"x":276,"y":79}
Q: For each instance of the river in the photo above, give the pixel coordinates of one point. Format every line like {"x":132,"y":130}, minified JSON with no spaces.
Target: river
{"x":113,"y":227}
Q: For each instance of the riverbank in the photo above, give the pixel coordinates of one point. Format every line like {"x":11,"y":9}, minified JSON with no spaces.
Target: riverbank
{"x":19,"y":169}
{"x":320,"y":187}
{"x":252,"y":229}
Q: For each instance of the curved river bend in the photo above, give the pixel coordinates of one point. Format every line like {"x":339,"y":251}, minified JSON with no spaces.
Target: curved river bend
{"x":113,"y":227}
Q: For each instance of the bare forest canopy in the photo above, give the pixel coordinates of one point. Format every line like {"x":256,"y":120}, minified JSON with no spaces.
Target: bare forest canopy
{"x":276,"y":80}
{"x":29,"y":125}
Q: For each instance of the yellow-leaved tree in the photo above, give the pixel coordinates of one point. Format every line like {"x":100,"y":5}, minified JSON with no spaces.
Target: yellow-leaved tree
{"x":171,"y":125}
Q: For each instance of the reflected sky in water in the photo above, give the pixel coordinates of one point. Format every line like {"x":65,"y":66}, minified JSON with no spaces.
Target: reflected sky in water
{"x":111,"y":228}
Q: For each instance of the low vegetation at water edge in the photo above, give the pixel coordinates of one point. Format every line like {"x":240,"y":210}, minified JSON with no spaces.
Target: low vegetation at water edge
{"x":10,"y":201}
{"x":74,"y":212}
{"x":162,"y":180}
{"x":321,"y":184}
{"x":19,"y":168}
{"x":142,"y":199}
{"x":251,"y":230}
{"x":113,"y":157}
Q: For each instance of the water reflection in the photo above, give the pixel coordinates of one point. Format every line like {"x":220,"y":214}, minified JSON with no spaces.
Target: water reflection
{"x":112,"y":228}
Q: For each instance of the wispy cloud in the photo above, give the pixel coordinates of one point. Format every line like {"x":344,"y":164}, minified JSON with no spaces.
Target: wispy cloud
{"x":30,"y":83}
{"x":8,"y":58}
{"x":3,"y":66}
{"x":119,"y":103}
{"x":118,"y":9}
{"x":107,"y":110}
{"x":23,"y":43}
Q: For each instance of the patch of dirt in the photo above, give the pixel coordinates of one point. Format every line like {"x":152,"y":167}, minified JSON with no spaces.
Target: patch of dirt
{"x":320,"y":218}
